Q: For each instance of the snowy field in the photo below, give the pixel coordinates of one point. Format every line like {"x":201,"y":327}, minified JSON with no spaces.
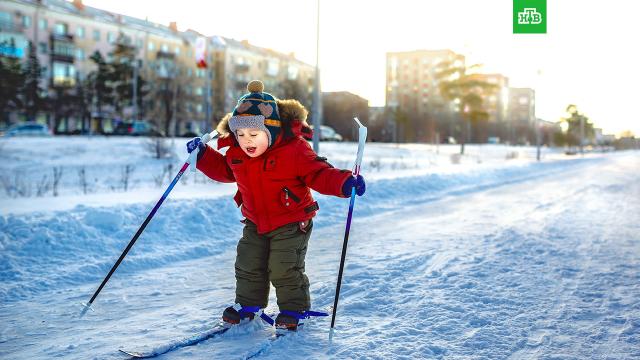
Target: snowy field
{"x":488,"y":255}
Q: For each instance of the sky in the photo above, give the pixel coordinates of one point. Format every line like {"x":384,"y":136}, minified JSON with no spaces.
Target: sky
{"x":587,"y":57}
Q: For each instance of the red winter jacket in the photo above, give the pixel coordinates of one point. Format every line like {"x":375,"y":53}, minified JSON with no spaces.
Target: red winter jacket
{"x":274,"y":188}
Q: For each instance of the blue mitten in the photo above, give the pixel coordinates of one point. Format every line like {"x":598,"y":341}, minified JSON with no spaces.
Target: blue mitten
{"x":195,"y":143}
{"x":357,"y":182}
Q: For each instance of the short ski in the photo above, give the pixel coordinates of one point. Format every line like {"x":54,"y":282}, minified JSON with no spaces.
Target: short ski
{"x":280,"y":334}
{"x":266,"y":345}
{"x":189,"y":341}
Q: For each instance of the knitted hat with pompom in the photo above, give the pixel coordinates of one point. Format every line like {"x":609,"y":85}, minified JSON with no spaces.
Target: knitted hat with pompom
{"x":257,"y":109}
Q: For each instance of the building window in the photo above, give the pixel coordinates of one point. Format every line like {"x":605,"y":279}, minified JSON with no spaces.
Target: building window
{"x":26,"y":21}
{"x":200,"y":73}
{"x":62,"y":48}
{"x":80,"y":32}
{"x":523,"y":100}
{"x":199,"y":91}
{"x":199,"y":108}
{"x":42,"y":47}
{"x":42,"y":24}
{"x":164,"y":48}
{"x":6,"y":20}
{"x":189,"y":72}
{"x":151,"y":46}
{"x":80,"y":54}
{"x":139,"y":43}
{"x":292,"y":73}
{"x":273,"y":67}
{"x":96,"y":35}
{"x":64,"y":74}
{"x":177,"y":50}
{"x":111,"y":37}
{"x":60,"y":29}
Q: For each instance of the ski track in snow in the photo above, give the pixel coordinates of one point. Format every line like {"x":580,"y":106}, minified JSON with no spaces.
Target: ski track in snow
{"x":535,"y":261}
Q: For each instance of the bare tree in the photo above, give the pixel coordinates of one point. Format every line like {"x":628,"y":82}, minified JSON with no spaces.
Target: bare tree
{"x":57,"y":175}
{"x":82,"y":180}
{"x":43,"y":186}
{"x":125,"y":176}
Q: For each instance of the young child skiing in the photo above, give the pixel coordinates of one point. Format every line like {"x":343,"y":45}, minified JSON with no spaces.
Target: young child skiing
{"x":275,"y":169}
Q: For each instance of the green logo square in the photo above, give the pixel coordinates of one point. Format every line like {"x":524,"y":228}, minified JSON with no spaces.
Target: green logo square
{"x":529,"y":16}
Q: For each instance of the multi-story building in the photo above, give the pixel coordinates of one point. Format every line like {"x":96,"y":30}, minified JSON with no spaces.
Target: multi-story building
{"x":238,"y":62}
{"x":495,"y":101}
{"x":179,"y":94}
{"x":492,"y":116}
{"x":522,"y":105}
{"x":521,"y":116}
{"x":338,"y":110}
{"x":413,"y":89}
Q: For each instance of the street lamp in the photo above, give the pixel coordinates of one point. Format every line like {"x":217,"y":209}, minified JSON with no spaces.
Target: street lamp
{"x":317,"y":98}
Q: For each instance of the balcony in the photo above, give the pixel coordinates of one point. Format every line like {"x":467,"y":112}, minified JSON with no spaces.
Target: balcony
{"x":64,"y":74}
{"x":9,"y":26}
{"x":165,"y":55}
{"x":62,"y":48}
{"x":63,"y":37}
{"x":241,"y":68}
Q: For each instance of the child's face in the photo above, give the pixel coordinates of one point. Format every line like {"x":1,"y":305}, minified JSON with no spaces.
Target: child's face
{"x":253,"y":141}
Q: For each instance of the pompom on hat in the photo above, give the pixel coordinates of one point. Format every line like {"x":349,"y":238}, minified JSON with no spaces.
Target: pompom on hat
{"x":257,"y":109}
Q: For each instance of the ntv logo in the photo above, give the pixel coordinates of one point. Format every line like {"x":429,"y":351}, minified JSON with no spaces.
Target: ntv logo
{"x":529,"y":16}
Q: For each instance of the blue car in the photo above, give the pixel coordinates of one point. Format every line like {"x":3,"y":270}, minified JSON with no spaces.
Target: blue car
{"x":28,"y":129}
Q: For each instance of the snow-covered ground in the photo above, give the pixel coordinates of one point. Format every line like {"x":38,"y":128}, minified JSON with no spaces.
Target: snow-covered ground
{"x":491,"y":255}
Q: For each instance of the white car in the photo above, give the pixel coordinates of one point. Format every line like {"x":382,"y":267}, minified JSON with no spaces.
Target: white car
{"x":28,"y":129}
{"x":327,"y":133}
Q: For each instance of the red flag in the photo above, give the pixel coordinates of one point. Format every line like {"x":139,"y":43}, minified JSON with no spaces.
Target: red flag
{"x":201,"y":52}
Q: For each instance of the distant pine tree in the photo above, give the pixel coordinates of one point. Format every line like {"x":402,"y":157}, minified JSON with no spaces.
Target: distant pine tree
{"x":32,"y":92}
{"x":11,"y":83}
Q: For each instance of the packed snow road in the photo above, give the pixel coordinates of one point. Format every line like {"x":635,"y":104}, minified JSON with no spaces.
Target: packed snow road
{"x":533,"y":261}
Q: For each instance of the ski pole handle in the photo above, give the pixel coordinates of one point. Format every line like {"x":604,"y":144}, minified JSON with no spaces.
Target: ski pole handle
{"x":362,"y":137}
{"x":193,"y":157}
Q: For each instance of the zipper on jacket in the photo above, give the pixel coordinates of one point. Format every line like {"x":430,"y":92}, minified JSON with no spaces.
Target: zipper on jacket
{"x":288,"y":193}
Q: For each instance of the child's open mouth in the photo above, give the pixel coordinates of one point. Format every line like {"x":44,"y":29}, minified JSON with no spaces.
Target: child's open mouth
{"x":251,"y":149}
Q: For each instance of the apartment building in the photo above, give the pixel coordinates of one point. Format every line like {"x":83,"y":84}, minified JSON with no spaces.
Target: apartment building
{"x":238,"y":62}
{"x":522,"y":105}
{"x":413,"y":89}
{"x":66,"y":35}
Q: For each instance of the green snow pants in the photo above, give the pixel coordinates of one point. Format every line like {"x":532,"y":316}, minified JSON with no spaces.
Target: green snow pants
{"x":276,"y":257}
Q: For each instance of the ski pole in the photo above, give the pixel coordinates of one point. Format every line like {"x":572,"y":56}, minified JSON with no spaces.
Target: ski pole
{"x":192,"y":159}
{"x":362,"y":138}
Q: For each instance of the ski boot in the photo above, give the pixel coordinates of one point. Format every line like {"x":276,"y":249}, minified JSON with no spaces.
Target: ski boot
{"x":289,"y":321}
{"x":236,"y":314}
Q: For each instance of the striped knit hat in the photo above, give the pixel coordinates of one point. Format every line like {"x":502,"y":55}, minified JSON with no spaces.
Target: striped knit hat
{"x":257,"y":109}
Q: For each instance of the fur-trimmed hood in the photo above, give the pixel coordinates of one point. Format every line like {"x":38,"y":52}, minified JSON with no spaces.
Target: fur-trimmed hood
{"x":293,"y":116}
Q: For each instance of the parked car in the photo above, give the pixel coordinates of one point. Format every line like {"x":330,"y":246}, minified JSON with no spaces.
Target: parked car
{"x":327,"y":133}
{"x":189,"y":134}
{"x":137,"y":128}
{"x":28,"y":129}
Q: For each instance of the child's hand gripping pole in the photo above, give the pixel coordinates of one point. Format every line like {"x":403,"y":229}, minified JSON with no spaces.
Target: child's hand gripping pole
{"x":193,"y":156}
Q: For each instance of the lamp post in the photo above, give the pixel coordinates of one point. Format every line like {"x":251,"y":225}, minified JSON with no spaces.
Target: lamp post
{"x":581,"y":134}
{"x":135,"y":88}
{"x":535,"y":117}
{"x":317,"y":98}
